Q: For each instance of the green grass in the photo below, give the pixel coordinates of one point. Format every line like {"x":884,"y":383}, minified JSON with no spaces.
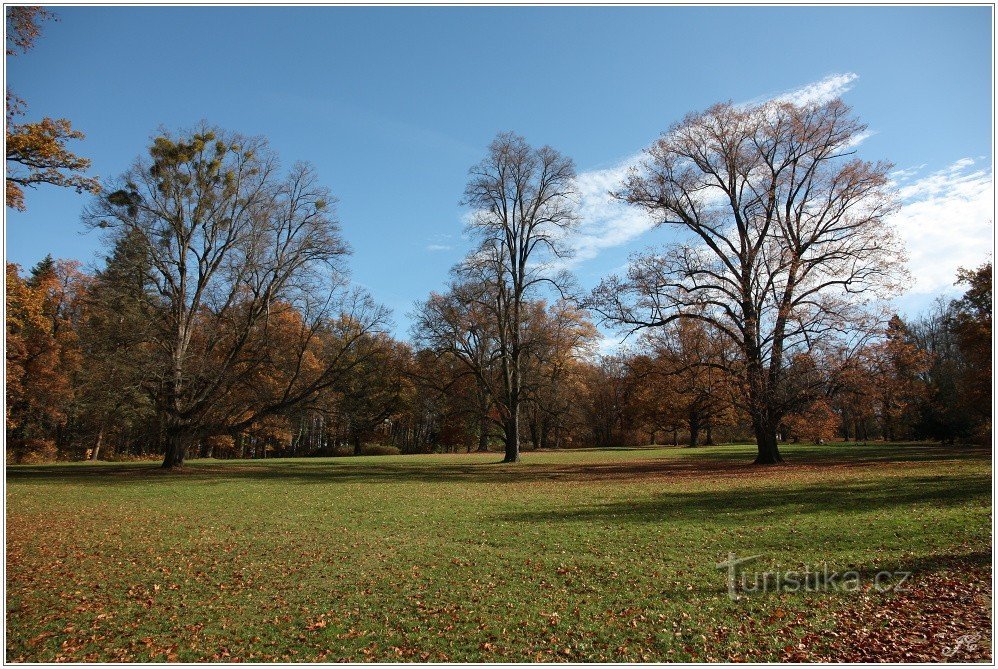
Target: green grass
{"x":582,"y":555}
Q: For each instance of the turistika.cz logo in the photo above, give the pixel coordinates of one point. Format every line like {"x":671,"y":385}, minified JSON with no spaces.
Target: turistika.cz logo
{"x":817,"y":578}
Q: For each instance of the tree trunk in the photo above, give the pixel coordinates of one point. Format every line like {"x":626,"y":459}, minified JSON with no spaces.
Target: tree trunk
{"x":97,"y":445}
{"x":483,"y":433}
{"x":769,"y":452}
{"x":710,"y":435}
{"x":694,"y":426}
{"x":176,"y":448}
{"x":513,"y":387}
{"x":513,"y":438}
{"x":356,"y":445}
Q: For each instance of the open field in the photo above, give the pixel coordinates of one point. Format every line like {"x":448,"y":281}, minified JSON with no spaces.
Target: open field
{"x":574,"y":556}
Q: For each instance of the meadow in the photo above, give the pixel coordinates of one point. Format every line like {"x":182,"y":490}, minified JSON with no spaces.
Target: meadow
{"x":589,"y":555}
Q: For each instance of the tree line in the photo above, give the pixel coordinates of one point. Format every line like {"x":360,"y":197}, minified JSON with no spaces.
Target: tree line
{"x":77,"y":381}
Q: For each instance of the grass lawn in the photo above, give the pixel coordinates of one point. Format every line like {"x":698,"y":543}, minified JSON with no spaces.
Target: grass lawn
{"x":574,"y":556}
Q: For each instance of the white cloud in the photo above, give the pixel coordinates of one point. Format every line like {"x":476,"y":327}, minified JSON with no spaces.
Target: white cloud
{"x":438,"y":247}
{"x":946,"y":221}
{"x":606,"y":221}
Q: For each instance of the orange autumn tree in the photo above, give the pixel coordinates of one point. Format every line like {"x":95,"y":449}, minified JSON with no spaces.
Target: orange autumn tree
{"x":42,"y":354}
{"x":817,"y":422}
{"x":657,"y":400}
{"x":690,"y":369}
{"x":896,"y":366}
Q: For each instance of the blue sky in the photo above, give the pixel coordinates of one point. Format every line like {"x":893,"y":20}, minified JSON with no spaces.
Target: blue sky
{"x":393,"y":105}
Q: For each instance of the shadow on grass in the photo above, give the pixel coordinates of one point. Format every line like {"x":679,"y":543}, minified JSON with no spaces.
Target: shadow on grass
{"x":957,"y":562}
{"x":734,"y":506}
{"x":673,"y":464}
{"x":905,"y":574}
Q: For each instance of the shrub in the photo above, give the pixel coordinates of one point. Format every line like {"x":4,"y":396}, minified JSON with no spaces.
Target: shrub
{"x":379,"y":449}
{"x":32,"y":451}
{"x":132,"y":457}
{"x":366,"y":449}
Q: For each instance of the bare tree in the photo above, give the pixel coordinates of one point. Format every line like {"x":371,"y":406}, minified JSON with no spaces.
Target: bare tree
{"x":254,"y":316}
{"x":523,"y":206}
{"x":786,"y":238}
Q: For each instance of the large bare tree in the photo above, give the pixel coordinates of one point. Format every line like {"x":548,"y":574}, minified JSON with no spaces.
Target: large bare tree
{"x":523,"y":205}
{"x":253,"y":315}
{"x":786,"y":238}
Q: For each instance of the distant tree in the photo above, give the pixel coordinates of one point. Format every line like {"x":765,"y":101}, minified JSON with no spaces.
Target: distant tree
{"x":114,"y":343}
{"x":850,"y":393}
{"x":609,"y":406}
{"x":561,"y":340}
{"x":941,"y":417}
{"x":956,"y":337}
{"x":522,"y":202}
{"x":37,"y":152}
{"x":237,"y":252}
{"x":657,"y":400}
{"x":816,"y":422}
{"x":690,"y":367}
{"x":42,"y":354}
{"x":786,"y":236}
{"x":972,"y":324}
{"x":437,"y":402}
{"x":460,"y":324}
{"x":373,"y":390}
{"x":895,"y":367}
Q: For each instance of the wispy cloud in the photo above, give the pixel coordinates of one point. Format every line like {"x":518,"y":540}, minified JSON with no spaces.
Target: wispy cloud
{"x":819,"y":92}
{"x":610,"y":344}
{"x":946,"y":221}
{"x":906,"y":173}
{"x":440,"y":242}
